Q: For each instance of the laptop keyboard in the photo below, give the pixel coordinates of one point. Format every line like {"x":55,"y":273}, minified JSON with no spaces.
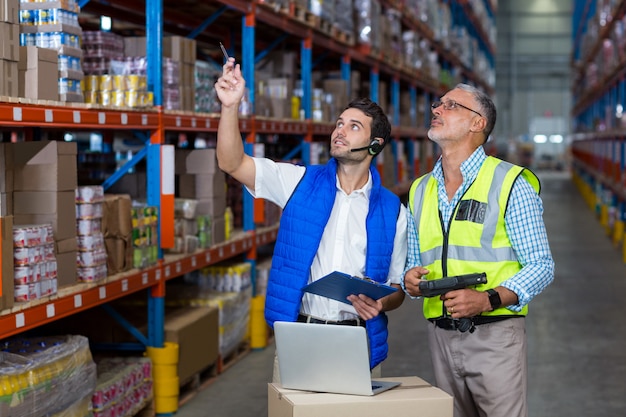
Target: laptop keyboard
{"x":376,"y":386}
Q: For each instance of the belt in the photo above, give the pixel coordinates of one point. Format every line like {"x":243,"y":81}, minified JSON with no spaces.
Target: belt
{"x":467,"y":323}
{"x":304,"y":318}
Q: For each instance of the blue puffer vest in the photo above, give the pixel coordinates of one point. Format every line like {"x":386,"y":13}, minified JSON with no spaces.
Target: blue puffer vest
{"x":302,"y":223}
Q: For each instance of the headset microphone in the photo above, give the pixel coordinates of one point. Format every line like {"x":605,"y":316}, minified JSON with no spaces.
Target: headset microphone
{"x":360,"y":149}
{"x":374,"y":148}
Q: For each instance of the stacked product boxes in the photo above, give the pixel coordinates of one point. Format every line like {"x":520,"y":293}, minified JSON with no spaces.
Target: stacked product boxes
{"x":54,"y":25}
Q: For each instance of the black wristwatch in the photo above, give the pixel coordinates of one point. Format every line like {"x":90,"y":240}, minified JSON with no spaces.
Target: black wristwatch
{"x":494,"y":299}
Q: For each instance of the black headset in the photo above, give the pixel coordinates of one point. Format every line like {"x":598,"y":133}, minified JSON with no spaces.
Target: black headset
{"x":374,"y":148}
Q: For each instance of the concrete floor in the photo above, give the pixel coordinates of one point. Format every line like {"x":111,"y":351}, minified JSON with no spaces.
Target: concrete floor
{"x":576,"y":334}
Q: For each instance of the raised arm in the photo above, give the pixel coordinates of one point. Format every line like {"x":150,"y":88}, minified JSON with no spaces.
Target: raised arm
{"x":230,"y":88}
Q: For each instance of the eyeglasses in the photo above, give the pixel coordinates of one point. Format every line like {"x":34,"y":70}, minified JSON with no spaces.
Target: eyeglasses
{"x":451,"y":105}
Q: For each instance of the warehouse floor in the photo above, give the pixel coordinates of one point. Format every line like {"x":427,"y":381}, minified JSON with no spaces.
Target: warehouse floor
{"x":576,"y":335}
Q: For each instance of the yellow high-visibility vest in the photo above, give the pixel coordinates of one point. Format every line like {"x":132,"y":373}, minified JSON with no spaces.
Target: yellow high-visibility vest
{"x":476,"y":240}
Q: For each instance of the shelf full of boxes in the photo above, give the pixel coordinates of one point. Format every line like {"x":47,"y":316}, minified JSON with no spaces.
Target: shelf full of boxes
{"x":599,"y":142}
{"x":117,"y":100}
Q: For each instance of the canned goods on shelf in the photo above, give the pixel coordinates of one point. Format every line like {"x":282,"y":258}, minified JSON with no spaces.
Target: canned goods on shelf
{"x":92,"y":82}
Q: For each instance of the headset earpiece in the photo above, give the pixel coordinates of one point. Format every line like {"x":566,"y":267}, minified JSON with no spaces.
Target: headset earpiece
{"x":375,"y":147}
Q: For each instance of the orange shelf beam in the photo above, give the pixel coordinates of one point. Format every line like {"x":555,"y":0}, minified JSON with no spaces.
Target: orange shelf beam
{"x":79,"y":297}
{"x":51,"y":116}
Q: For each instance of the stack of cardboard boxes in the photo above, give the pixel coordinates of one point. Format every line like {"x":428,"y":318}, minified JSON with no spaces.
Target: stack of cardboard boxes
{"x":6,"y":226}
{"x":37,"y":73}
{"x":199,"y":178}
{"x":117,"y":231}
{"x":54,"y":24}
{"x":44,"y":187}
{"x":9,"y":47}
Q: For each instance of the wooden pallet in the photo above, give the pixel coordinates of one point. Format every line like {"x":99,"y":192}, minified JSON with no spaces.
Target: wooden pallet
{"x":197,"y":383}
{"x":148,"y":410}
{"x":325,"y":26}
{"x":342,"y":36}
{"x":301,"y":13}
{"x":228,"y":360}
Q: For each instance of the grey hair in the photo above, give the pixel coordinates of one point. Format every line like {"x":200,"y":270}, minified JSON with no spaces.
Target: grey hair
{"x":487,"y":108}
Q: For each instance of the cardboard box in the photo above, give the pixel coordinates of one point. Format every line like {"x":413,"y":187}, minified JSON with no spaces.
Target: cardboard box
{"x":281,"y":108}
{"x":134,"y":184}
{"x":9,"y":41}
{"x":6,"y":240}
{"x":9,"y":11}
{"x":116,"y":220}
{"x":179,"y":49}
{"x":8,"y":78}
{"x":218,"y":230}
{"x":119,"y":254}
{"x":196,"y":330}
{"x":135,"y":46}
{"x":6,"y":204}
{"x":66,"y":245}
{"x":198,"y":161}
{"x":199,"y":186}
{"x":66,"y":269}
{"x":31,"y":57}
{"x":39,"y":207}
{"x":414,"y":398}
{"x":214,"y":207}
{"x":6,"y":168}
{"x":45,"y":166}
{"x":38,"y":73}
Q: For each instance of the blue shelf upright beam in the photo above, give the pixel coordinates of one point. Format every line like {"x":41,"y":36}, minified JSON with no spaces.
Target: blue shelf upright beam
{"x":395,"y":101}
{"x":413,"y":105}
{"x":247,"y":52}
{"x":374,"y":81}
{"x":247,"y":65}
{"x":346,"y":69}
{"x":154,"y":41}
{"x":306,"y":56}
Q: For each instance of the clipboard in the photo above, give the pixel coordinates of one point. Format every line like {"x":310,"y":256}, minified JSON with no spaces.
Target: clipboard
{"x":339,"y":286}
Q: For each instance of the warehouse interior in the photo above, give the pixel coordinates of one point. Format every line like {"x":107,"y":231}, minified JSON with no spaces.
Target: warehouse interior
{"x":134,"y":270}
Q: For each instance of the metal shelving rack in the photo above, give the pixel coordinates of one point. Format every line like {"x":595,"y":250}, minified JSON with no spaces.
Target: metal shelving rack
{"x":599,"y":141}
{"x":16,"y":113}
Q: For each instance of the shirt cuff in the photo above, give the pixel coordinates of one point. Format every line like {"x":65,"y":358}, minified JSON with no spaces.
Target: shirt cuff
{"x":405,"y":291}
{"x":522,"y":298}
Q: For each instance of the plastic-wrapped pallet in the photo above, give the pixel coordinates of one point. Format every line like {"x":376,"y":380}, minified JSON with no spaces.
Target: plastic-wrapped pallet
{"x":344,"y":22}
{"x":46,"y":376}
{"x":124,"y":386}
{"x":227,"y":287}
{"x":368,"y":24}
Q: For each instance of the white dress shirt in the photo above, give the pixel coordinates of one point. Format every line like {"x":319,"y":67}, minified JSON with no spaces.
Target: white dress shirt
{"x":344,"y":241}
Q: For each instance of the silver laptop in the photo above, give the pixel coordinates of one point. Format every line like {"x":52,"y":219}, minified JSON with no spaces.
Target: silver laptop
{"x":325,"y":358}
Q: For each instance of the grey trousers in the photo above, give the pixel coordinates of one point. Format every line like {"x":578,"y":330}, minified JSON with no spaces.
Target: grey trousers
{"x":485,"y":371}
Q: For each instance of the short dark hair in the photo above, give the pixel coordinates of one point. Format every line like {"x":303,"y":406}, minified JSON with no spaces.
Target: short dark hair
{"x":381,"y":128}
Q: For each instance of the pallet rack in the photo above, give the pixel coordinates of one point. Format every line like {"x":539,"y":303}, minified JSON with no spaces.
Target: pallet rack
{"x":154,"y":123}
{"x":599,"y":139}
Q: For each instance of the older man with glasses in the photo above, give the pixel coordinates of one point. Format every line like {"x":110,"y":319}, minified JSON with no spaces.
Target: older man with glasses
{"x":472,"y":214}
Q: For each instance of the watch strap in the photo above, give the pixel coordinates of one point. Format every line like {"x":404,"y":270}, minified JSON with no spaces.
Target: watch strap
{"x":494,"y":299}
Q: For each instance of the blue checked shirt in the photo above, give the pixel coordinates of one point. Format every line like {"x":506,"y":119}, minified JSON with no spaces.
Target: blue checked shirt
{"x":524,"y":225}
